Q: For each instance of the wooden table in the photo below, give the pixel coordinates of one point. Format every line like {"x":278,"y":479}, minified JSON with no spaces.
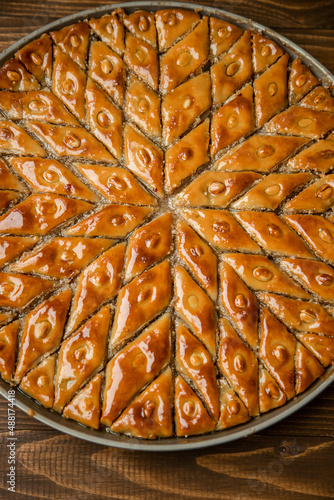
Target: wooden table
{"x":293,"y":459}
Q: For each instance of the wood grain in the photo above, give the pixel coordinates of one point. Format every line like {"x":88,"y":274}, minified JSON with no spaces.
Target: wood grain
{"x":291,"y":460}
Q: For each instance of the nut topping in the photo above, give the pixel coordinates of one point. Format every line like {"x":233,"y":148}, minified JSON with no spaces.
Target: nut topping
{"x":107,"y":66}
{"x":239,"y":363}
{"x":189,"y":408}
{"x":263,"y":274}
{"x":308,"y":316}
{"x":233,"y":407}
{"x":326,"y":235}
{"x":184,"y":59}
{"x":280,"y":353}
{"x":324,"y":279}
{"x":42,"y":329}
{"x":272,"y":89}
{"x":36,"y":58}
{"x":216,"y":188}
{"x":144,"y":23}
{"x":72,"y":141}
{"x":240,"y":301}
{"x":75,"y":41}
{"x":272,"y":390}
{"x":324,"y":192}
{"x":193,"y":301}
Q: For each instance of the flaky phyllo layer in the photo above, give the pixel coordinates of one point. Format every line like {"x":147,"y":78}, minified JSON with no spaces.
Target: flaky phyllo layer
{"x":166,"y":226}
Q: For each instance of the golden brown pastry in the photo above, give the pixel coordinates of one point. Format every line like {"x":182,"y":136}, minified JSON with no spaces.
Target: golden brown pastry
{"x":232,"y":409}
{"x":321,"y":347}
{"x":108,"y":70}
{"x":317,"y":197}
{"x":98,"y":282}
{"x":14,"y":76}
{"x":317,"y":276}
{"x":259,"y":273}
{"x":12,"y":246}
{"x":320,"y":99}
{"x":220,"y":229}
{"x":265,"y":52}
{"x":14,"y":139}
{"x":143,"y":107}
{"x":142,"y":59}
{"x":116,"y":184}
{"x":195,"y":308}
{"x":61,"y":257}
{"x":272,"y":234}
{"x":277,"y":352}
{"x":215,"y":189}
{"x":198,"y":257}
{"x":233,"y":69}
{"x":85,"y":406}
{"x":308,"y":368}
{"x":148,"y":244}
{"x":172,"y":24}
{"x":149,"y":416}
{"x":260,"y":153}
{"x":143,"y":158}
{"x":135,"y":366}
{"x":18,"y":290}
{"x":39,"y":382}
{"x":191,"y":416}
{"x":68,"y":83}
{"x":240,"y":303}
{"x":8,"y":179}
{"x":8,"y":197}
{"x":185,"y":57}
{"x":43,"y":331}
{"x":299,"y":315}
{"x":271,"y":91}
{"x":112,"y":221}
{"x":301,"y":81}
{"x":37,"y":58}
{"x":111,"y":31}
{"x":270,"y":191}
{"x":318,"y":157}
{"x":183,"y":158}
{"x":194,"y":362}
{"x":140,"y":301}
{"x":270,"y":394}
{"x":223,"y":34}
{"x":50,"y":176}
{"x":141,"y":23}
{"x":73,"y":40}
{"x":39,"y":105}
{"x":70,"y":141}
{"x":8,"y":342}
{"x":80,"y":356}
{"x":105,"y":120}
{"x":239,"y":364}
{"x":233,"y":121}
{"x":301,"y":121}
{"x":184,"y":105}
{"x":39,"y":213}
{"x":317,"y":231}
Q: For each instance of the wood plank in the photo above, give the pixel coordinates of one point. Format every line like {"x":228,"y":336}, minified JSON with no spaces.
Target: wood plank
{"x":55,"y":464}
{"x":276,"y":13}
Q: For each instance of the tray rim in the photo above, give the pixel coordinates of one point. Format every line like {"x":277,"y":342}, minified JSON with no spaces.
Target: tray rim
{"x":55,"y":420}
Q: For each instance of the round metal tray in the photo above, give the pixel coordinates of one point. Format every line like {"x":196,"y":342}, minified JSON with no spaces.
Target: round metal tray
{"x":55,"y":420}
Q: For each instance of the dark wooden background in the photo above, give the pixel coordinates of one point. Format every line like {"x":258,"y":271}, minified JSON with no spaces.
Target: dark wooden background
{"x":291,"y":460}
